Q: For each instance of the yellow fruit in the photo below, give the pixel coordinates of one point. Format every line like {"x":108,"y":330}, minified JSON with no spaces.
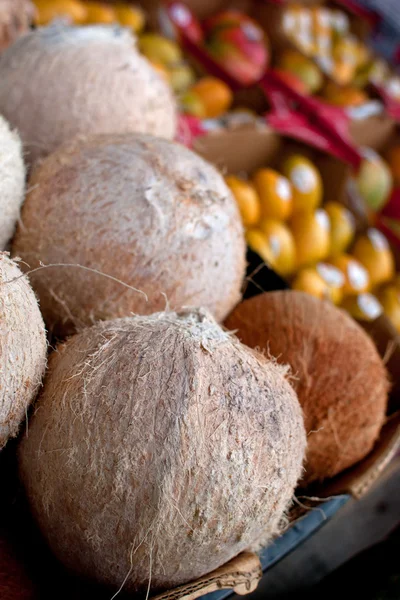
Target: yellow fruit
{"x":373,"y":251}
{"x":306,"y":183}
{"x":275,"y":193}
{"x":246,"y":198}
{"x":342,"y":227}
{"x":130,"y":16}
{"x":191,"y":104}
{"x":98,"y":12}
{"x":374,"y":180}
{"x":281,"y":244}
{"x":323,"y":281}
{"x":181,"y":77}
{"x":363,"y":307}
{"x":311,"y":233}
{"x":47,"y":10}
{"x":356,"y":278}
{"x":216,"y":96}
{"x":389,"y":297}
{"x":257,"y":242}
{"x":159,"y":49}
{"x":304,"y":68}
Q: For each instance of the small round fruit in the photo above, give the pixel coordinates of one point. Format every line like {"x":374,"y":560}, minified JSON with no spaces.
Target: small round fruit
{"x":389,"y":297}
{"x":99,"y":12}
{"x":363,"y":307}
{"x":130,"y":16}
{"x":216,"y":96}
{"x":181,"y":77}
{"x":342,"y":227}
{"x":374,"y":180}
{"x":159,"y":49}
{"x":306,"y":183}
{"x":323,"y":281}
{"x":281,"y":243}
{"x":275,"y":193}
{"x":258,"y":243}
{"x":373,"y":251}
{"x":344,"y":96}
{"x":305,"y":69}
{"x":48,"y":10}
{"x":191,"y":104}
{"x":356,"y":277}
{"x":246,"y":198}
{"x":311,"y":233}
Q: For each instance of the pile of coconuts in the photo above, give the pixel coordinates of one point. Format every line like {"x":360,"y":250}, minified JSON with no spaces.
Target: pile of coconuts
{"x":174,"y":422}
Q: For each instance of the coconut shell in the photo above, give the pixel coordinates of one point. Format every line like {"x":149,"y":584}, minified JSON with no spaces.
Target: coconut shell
{"x":16,"y":16}
{"x":338,"y":374}
{"x":22,"y":348}
{"x":59,"y":81}
{"x":178,"y":446}
{"x":12,"y":181}
{"x":143,"y":210}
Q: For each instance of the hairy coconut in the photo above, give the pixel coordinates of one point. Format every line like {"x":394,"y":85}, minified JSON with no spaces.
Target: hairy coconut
{"x":22,"y":348}
{"x":140,"y":209}
{"x":60,"y":81}
{"x":339,"y":377}
{"x":16,"y":17}
{"x":12,"y":181}
{"x":178,"y":446}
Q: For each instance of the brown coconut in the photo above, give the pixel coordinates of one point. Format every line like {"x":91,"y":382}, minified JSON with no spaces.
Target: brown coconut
{"x":178,"y":447}
{"x":59,"y":81}
{"x":16,"y":16}
{"x":143,"y":210}
{"x":338,"y":374}
{"x":22,"y":348}
{"x":12,"y":181}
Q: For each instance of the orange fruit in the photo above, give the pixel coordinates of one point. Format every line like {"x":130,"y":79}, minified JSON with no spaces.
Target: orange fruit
{"x":247,"y":199}
{"x":281,"y":244}
{"x":342,"y":227}
{"x":363,"y":307}
{"x":311,"y":233}
{"x":389,"y":297}
{"x":216,"y":96}
{"x":130,"y":16}
{"x":99,"y":12}
{"x":306,"y":183}
{"x":355,"y":274}
{"x":344,"y":95}
{"x":373,"y":251}
{"x":258,"y":243}
{"x":323,"y":281}
{"x":47,"y":10}
{"x":275,"y":193}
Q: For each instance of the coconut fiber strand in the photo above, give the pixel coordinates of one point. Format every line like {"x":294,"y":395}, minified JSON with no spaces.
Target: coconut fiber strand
{"x":143,"y":210}
{"x":178,"y":447}
{"x":60,"y":81}
{"x":22,"y":348}
{"x":337,"y":373}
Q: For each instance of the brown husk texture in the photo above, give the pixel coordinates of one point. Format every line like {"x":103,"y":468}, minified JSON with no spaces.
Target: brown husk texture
{"x":338,"y":375}
{"x":141,"y":209}
{"x":16,"y":17}
{"x":60,"y":81}
{"x":160,"y":448}
{"x":12,"y":181}
{"x":23,"y":348}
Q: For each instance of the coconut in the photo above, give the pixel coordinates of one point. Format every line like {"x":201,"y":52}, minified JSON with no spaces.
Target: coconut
{"x":12,"y":181}
{"x":338,"y":375}
{"x":178,"y":446}
{"x":16,"y":17}
{"x":22,"y":348}
{"x":142,"y":210}
{"x":59,"y":81}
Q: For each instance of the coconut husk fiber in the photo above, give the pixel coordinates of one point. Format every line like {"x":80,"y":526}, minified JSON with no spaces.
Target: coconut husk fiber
{"x":339,"y":377}
{"x":142,"y":210}
{"x":16,"y":17}
{"x":178,"y":447}
{"x":23,"y":348}
{"x":12,"y":181}
{"x":60,"y":81}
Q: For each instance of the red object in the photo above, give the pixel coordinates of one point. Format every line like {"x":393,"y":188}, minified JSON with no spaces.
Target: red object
{"x":392,"y":207}
{"x":189,"y":128}
{"x":291,"y":80}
